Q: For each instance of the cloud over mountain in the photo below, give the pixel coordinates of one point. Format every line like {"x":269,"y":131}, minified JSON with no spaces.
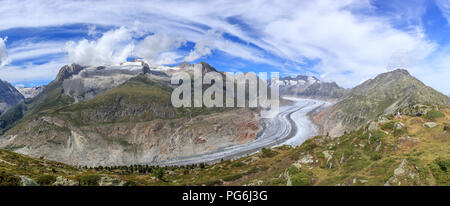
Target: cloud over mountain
{"x":3,"y":53}
{"x":112,"y":48}
{"x":344,"y":41}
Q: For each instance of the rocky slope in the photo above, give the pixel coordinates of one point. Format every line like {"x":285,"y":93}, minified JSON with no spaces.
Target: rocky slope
{"x":309,"y":87}
{"x":9,"y":96}
{"x":386,"y":94}
{"x":402,"y":150}
{"x":120,"y":115}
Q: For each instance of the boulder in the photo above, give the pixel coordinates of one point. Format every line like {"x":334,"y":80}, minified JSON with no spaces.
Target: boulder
{"x":307,"y":159}
{"x":61,"y":181}
{"x":430,"y":124}
{"x":401,"y":168}
{"x":399,"y":125}
{"x":328,"y":155}
{"x":26,"y":181}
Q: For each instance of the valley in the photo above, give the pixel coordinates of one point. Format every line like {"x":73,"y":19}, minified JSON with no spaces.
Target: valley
{"x":115,"y":125}
{"x":225,"y":93}
{"x":291,"y":126}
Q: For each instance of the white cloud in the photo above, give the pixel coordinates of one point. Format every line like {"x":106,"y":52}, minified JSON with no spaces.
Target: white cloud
{"x":203,"y":47}
{"x":444,"y":5}
{"x":92,"y":30}
{"x":28,"y":50}
{"x":4,"y":59}
{"x":112,"y":48}
{"x":159,"y":44}
{"x":167,"y":58}
{"x":349,"y":45}
{"x":30,"y":72}
{"x":435,"y":70}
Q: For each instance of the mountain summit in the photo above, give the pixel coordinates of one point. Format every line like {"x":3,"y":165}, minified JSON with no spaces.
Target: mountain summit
{"x":385,"y":94}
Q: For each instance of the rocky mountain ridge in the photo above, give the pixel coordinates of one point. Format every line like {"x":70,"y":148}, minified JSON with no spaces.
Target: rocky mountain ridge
{"x":9,"y":96}
{"x":120,"y":115}
{"x":30,"y":92}
{"x":309,"y":87}
{"x":388,"y":93}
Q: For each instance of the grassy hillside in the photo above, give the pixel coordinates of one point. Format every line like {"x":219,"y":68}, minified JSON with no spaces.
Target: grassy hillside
{"x":397,"y":151}
{"x":383,"y":95}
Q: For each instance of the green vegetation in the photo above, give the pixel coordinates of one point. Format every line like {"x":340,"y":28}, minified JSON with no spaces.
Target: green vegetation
{"x":388,"y":126}
{"x":267,"y":153}
{"x":237,"y":164}
{"x":377,"y":136}
{"x":359,"y":157}
{"x":434,"y":114}
{"x":7,"y":179}
{"x":90,"y":180}
{"x":301,"y":179}
{"x":158,"y":173}
{"x":440,"y":169}
{"x":46,"y":180}
{"x":232,"y":177}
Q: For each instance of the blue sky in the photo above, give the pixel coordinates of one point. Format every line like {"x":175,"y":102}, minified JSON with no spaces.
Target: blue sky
{"x":346,"y":41}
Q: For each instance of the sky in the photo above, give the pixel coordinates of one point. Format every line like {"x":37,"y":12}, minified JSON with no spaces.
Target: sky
{"x":345,"y":41}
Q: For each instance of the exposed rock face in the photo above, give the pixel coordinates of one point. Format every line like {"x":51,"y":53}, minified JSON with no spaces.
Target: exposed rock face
{"x":203,"y":65}
{"x":132,"y":143}
{"x":309,"y":87}
{"x":67,"y":71}
{"x":122,"y":115}
{"x":403,"y":174}
{"x":30,"y":92}
{"x":84,"y":83}
{"x":9,"y":96}
{"x":388,"y":93}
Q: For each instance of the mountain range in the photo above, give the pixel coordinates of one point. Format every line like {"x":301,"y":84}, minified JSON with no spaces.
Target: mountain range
{"x":122,"y":114}
{"x":309,"y":87}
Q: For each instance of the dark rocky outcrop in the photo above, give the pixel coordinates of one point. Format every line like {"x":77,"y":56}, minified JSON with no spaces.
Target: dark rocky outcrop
{"x":67,"y":71}
{"x":9,"y":96}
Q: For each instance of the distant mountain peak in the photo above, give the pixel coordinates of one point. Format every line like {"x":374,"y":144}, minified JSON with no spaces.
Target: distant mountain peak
{"x":308,"y":87}
{"x":30,"y":92}
{"x":400,"y":71}
{"x":395,"y":73}
{"x":205,"y":66}
{"x":67,"y":71}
